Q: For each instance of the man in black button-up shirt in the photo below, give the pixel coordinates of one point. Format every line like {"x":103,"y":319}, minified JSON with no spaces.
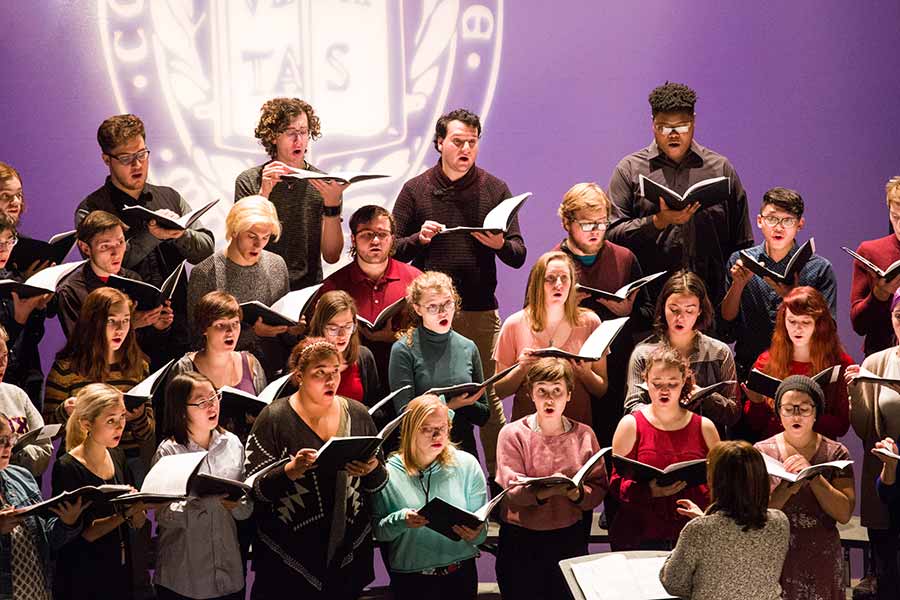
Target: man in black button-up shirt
{"x":662,"y":239}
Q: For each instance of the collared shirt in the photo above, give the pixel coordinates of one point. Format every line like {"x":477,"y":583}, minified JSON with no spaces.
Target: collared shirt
{"x":705,"y":242}
{"x":202,"y":557}
{"x":371,"y":297}
{"x":752,"y":329}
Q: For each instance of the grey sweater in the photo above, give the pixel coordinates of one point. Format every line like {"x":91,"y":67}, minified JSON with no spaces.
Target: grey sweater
{"x":266,"y":281}
{"x":715,"y":560}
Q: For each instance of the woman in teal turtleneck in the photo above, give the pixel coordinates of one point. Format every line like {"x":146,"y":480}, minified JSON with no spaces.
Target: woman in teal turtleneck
{"x":430,"y":354}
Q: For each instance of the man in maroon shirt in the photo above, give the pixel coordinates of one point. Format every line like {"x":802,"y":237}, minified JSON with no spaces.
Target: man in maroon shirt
{"x":456,"y":192}
{"x":606,"y":266}
{"x":374,"y":280}
{"x":870,"y":295}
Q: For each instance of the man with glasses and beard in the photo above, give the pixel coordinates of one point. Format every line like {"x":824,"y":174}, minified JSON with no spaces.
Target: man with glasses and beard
{"x":664,"y":239}
{"x":374,"y":280}
{"x":606,"y":266}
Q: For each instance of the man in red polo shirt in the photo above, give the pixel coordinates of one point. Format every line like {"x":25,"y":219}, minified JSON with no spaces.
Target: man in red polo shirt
{"x":374,"y":279}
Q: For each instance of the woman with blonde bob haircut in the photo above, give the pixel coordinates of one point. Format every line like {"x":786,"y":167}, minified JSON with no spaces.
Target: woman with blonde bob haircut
{"x":551,"y":317}
{"x":248,"y":272}
{"x":735,"y":548}
{"x":430,"y":354}
{"x":423,"y":562}
{"x":103,"y":551}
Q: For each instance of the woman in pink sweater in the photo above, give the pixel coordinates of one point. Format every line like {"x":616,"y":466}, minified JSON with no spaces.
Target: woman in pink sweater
{"x":539,"y":524}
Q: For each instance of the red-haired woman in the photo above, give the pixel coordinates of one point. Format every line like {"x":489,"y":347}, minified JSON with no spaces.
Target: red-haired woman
{"x":805,"y":342}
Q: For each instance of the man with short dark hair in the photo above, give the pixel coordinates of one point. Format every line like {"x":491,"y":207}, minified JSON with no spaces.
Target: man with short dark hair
{"x":751,"y":302}
{"x":309,"y":209}
{"x":101,"y":238}
{"x":455,"y":192}
{"x":374,"y":279}
{"x":664,"y":239}
{"x":152,"y":251}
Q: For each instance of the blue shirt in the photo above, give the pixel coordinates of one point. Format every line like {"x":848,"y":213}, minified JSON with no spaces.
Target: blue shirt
{"x":752,"y":329}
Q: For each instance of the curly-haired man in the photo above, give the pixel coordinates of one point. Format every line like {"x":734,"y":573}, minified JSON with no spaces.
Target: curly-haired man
{"x":309,"y":209}
{"x":664,"y":239}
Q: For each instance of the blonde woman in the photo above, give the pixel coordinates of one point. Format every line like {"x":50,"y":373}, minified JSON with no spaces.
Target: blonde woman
{"x":424,"y":563}
{"x":96,"y":565}
{"x":551,"y":317}
{"x":430,"y":354}
{"x":248,"y":272}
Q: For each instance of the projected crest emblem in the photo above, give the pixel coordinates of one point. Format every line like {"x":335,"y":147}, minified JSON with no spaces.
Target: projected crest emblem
{"x":378,"y":73}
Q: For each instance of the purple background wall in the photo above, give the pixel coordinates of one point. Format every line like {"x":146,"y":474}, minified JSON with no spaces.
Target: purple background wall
{"x":801,"y":94}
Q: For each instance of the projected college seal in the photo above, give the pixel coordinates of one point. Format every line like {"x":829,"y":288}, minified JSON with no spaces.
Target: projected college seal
{"x":377,"y":72}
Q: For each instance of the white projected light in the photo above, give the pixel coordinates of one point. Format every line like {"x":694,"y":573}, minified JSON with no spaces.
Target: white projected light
{"x":378,"y":73}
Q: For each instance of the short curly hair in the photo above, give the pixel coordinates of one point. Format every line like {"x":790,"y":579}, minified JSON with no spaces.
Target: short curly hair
{"x":460,"y":114}
{"x":276,"y":116}
{"x":117,"y":130}
{"x":672,"y":98}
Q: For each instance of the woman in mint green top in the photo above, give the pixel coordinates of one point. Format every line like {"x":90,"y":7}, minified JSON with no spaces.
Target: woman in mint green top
{"x":424,"y":563}
{"x":430,"y":354}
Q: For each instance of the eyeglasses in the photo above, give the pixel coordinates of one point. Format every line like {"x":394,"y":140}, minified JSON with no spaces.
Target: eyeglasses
{"x":110,"y":246}
{"x":7,"y":198}
{"x":336,"y":330}
{"x":552,"y":279}
{"x":7,"y":244}
{"x":209,"y":402}
{"x":461,"y":143}
{"x":787,"y":222}
{"x":8,"y":441}
{"x":119,"y":323}
{"x":669,"y":129}
{"x":434,"y":431}
{"x":368,"y":235}
{"x":593,"y":225}
{"x":804,"y":410}
{"x":229,"y":326}
{"x":295,"y":134}
{"x":127,"y":159}
{"x":436,"y":309}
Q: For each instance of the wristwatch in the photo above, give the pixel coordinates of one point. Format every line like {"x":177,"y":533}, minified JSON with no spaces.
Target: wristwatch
{"x":332,"y":211}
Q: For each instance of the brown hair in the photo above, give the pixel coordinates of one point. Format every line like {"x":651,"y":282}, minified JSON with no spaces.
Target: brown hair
{"x":117,"y":130}
{"x":7,"y":224}
{"x":534,"y":292}
{"x":670,"y":358}
{"x":329,"y":306}
{"x":688,"y":284}
{"x":427,"y":281}
{"x":307,"y":352}
{"x":178,"y":393}
{"x":214,"y":306}
{"x":97,"y":222}
{"x":738,"y":483}
{"x":549,"y":369}
{"x":8,"y":172}
{"x":365,"y":215}
{"x":462,"y":115}
{"x":416,"y":412}
{"x":825,"y":346}
{"x":583,"y":196}
{"x":87,"y":346}
{"x":276,"y":116}
{"x":90,"y":402}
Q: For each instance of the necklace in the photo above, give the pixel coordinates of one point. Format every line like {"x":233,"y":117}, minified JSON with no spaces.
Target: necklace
{"x":553,"y":333}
